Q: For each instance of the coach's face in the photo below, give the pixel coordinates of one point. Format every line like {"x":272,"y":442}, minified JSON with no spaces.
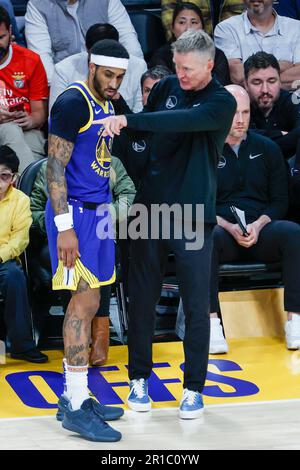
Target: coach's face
{"x":193,"y":70}
{"x":105,"y":81}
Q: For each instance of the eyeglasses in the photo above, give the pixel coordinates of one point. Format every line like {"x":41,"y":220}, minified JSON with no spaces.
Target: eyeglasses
{"x":6,"y":177}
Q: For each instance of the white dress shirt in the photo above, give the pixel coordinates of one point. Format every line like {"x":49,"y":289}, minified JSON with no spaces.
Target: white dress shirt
{"x":239,"y":39}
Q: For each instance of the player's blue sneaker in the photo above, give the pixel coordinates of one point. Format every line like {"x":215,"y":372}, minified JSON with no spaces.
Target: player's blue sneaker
{"x":107,"y":413}
{"x":138,"y":398}
{"x":191,"y":406}
{"x":89,"y":424}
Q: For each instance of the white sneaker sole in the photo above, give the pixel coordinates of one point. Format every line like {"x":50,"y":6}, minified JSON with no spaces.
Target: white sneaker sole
{"x":140,"y":407}
{"x":218,"y":349}
{"x":190,"y":414}
{"x":293,"y":344}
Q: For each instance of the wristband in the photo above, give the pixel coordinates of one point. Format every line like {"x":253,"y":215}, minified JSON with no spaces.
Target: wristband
{"x":64,"y":222}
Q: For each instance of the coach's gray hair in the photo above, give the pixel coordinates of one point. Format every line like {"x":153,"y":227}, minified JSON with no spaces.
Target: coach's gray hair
{"x":195,"y":41}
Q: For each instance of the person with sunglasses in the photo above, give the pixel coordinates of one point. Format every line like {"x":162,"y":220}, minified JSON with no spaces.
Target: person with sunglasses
{"x":16,"y":220}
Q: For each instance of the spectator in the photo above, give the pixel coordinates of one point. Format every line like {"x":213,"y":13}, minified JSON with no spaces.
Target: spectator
{"x":132,"y":147}
{"x":15,"y":31}
{"x":23,"y":97}
{"x":290,"y":8}
{"x":252,"y":177}
{"x":123,"y":193}
{"x":56,"y":29}
{"x":275,"y":113}
{"x":189,"y":16}
{"x":150,"y":77}
{"x":15,"y":219}
{"x":213,"y":12}
{"x":75,"y":68}
{"x":260,"y":28}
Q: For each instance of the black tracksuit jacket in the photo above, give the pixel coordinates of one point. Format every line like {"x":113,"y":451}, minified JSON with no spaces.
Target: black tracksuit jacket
{"x":187,"y":130}
{"x":256,"y":181}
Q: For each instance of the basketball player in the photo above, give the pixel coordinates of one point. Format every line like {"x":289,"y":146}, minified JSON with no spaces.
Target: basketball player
{"x":82,"y":255}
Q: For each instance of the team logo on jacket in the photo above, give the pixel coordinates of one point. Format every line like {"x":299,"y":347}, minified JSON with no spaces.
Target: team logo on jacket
{"x":19,"y":80}
{"x":171,"y":102}
{"x":222,"y":162}
{"x":139,"y":146}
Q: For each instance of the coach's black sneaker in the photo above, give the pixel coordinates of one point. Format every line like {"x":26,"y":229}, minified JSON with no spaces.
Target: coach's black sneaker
{"x":33,"y":355}
{"x":107,"y":413}
{"x":88,"y":423}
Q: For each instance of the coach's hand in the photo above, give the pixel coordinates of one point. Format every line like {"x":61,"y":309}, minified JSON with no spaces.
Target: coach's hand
{"x":113,"y":125}
{"x":67,"y":248}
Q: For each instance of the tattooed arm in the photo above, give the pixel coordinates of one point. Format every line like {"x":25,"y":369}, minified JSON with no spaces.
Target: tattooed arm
{"x":59,"y":154}
{"x":60,"y":151}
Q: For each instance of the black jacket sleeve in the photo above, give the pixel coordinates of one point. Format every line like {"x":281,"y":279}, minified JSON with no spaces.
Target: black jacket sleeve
{"x":209,"y":116}
{"x":278,"y":183}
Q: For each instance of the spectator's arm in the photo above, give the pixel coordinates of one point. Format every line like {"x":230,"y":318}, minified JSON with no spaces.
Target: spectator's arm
{"x":38,"y":38}
{"x":261,"y":222}
{"x":225,"y":38}
{"x":119,"y":18}
{"x":19,"y":236}
{"x":224,"y":223}
{"x":39,"y":112}
{"x":290,"y":75}
{"x":123,"y":190}
{"x":38,"y":200}
{"x":59,"y":83}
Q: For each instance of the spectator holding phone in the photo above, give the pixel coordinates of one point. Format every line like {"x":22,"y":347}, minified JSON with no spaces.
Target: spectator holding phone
{"x":23,"y":97}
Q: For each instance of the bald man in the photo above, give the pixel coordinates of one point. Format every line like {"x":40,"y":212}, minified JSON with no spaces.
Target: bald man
{"x":252,"y":177}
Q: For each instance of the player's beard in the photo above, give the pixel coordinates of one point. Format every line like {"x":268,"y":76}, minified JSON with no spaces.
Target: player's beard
{"x":99,"y":89}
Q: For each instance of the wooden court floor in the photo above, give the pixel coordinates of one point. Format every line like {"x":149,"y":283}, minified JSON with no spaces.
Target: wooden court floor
{"x":251,"y":395}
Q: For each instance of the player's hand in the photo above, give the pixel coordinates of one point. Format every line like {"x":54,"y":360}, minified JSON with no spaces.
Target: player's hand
{"x":113,"y":125}
{"x":67,"y":248}
{"x":24,"y":120}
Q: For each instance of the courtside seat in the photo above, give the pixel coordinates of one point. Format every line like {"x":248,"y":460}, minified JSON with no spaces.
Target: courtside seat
{"x":238,"y":276}
{"x":19,"y":7}
{"x":29,"y":175}
{"x":149,"y":29}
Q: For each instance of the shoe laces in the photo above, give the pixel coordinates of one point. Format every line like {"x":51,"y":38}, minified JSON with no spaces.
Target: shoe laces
{"x":93,"y":406}
{"x":139,"y":387}
{"x":190,"y":396}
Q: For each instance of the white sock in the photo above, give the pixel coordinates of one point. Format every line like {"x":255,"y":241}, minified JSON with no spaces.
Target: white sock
{"x":75,"y":384}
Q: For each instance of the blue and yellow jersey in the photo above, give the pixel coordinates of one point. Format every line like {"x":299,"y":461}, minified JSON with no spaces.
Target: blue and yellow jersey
{"x":87,"y":173}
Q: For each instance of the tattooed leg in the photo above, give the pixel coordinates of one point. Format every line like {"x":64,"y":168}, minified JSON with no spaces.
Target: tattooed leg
{"x":77,"y":324}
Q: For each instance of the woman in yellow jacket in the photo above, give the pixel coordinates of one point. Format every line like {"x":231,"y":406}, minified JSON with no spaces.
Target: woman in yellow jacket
{"x":15,"y":217}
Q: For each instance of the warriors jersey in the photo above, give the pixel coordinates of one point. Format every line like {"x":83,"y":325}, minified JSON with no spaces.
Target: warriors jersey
{"x":87,"y":173}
